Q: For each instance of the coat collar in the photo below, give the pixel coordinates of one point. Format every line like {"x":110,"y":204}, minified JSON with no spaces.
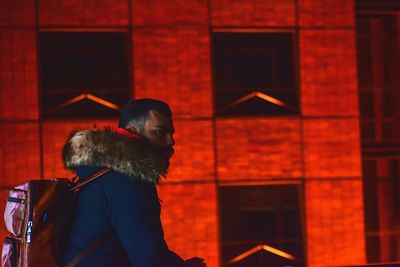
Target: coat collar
{"x":128,"y":156}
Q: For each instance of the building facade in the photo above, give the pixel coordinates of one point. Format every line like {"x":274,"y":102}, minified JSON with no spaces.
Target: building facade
{"x":265,"y":98}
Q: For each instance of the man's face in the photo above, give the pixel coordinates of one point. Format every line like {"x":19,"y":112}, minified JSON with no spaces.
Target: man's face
{"x":158,"y":130}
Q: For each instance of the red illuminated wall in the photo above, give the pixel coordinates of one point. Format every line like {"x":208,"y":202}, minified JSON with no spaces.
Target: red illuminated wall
{"x":334,"y":210}
{"x":258,"y":149}
{"x":171,"y":61}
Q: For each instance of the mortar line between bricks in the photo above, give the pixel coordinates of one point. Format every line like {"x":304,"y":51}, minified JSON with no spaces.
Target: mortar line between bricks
{"x":59,"y":28}
{"x":186,"y":182}
{"x":332,"y":117}
{"x":244,"y":28}
{"x":173,"y":26}
{"x":215,"y":139}
{"x":19,"y":121}
{"x":39,"y":89}
{"x":187,"y":119}
{"x":17,"y":27}
{"x":348,"y":178}
{"x":280,"y":180}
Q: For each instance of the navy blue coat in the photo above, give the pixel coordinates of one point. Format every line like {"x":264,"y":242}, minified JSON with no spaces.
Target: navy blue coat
{"x":128,"y":207}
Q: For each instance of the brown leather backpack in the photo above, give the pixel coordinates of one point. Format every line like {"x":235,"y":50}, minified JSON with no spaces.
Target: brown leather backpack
{"x":38,"y":216}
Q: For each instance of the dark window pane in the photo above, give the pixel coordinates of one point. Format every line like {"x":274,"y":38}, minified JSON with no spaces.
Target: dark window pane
{"x":254,"y":215}
{"x":394,"y":254}
{"x":244,"y":63}
{"x":378,"y":65}
{"x":387,"y":103}
{"x":77,"y":63}
{"x":232,"y":250}
{"x":363,"y":26}
{"x":364,"y":58}
{"x":368,"y":130}
{"x":256,"y":224}
{"x":367,"y":104}
{"x":388,"y":130}
{"x":369,"y":168}
{"x":289,"y":229}
{"x":373,"y":249}
{"x":371,"y":210}
{"x":253,"y":106}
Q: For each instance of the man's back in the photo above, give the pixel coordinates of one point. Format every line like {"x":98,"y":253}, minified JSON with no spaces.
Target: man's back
{"x":130,"y":209}
{"x":91,"y":222}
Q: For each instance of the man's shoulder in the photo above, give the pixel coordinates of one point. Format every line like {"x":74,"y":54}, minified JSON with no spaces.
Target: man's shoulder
{"x":105,"y":148}
{"x":115,"y":178}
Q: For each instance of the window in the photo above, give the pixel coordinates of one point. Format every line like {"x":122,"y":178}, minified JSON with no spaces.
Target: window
{"x":382,"y":203}
{"x":254,"y":74}
{"x":378,"y":64}
{"x":379,"y":86}
{"x":261,"y":215}
{"x":84,"y":74}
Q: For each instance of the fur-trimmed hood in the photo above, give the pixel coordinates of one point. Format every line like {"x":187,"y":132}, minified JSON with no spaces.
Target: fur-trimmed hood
{"x":107,"y":149}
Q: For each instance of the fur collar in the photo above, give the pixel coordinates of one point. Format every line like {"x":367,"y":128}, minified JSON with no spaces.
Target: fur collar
{"x":108,"y":149}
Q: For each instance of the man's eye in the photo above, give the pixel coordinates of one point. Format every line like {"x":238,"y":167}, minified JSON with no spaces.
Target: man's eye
{"x":160,"y":132}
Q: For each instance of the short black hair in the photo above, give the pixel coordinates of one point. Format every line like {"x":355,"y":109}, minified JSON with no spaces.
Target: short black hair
{"x":138,"y":108}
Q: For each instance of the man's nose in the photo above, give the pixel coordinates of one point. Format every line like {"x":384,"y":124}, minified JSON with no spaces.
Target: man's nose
{"x":171,"y":140}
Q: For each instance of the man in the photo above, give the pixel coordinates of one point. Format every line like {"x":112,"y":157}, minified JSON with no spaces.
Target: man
{"x":124,"y":201}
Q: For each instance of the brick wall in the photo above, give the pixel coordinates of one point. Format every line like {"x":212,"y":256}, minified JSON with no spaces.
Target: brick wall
{"x":189,"y":216}
{"x":19,"y":87}
{"x":171,"y":61}
{"x":174,"y":65}
{"x":327,"y":13}
{"x":332,"y":148}
{"x":86,"y":13}
{"x":170,"y":13}
{"x":250,"y":13}
{"x":19,"y":152}
{"x":328,"y":72}
{"x":332,"y":160}
{"x":194,"y":157}
{"x":334,"y":222}
{"x":17,"y":13}
{"x":258,"y":149}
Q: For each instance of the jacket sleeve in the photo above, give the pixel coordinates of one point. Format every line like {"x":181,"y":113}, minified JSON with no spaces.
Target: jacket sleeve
{"x":135,"y":216}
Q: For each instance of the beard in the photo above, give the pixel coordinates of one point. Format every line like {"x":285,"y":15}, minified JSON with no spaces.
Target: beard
{"x":163,"y":153}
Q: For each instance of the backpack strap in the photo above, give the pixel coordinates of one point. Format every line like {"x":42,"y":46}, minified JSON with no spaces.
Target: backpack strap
{"x":75,"y":260}
{"x":90,"y":178}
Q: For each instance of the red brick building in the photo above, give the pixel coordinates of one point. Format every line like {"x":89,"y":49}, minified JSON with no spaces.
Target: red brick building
{"x":265,"y":96}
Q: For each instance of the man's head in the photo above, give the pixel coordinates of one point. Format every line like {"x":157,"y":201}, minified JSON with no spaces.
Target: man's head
{"x":152,"y":120}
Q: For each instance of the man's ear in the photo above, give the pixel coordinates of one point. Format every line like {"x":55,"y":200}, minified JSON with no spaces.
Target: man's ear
{"x":133,"y":128}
